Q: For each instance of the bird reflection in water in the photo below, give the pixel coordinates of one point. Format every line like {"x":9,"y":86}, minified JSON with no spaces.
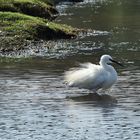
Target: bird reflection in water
{"x":92,"y":98}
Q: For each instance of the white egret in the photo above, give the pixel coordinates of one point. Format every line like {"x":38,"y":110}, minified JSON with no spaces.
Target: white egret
{"x":93,"y":77}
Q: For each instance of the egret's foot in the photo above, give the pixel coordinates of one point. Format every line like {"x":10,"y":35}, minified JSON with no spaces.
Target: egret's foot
{"x":94,"y":95}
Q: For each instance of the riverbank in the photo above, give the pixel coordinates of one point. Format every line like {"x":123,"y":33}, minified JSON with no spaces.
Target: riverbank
{"x":29,"y":20}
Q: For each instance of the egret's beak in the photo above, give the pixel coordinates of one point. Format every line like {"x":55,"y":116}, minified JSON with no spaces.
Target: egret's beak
{"x":116,"y":62}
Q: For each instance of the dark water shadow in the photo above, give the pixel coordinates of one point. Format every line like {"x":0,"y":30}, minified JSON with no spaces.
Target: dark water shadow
{"x":94,"y":98}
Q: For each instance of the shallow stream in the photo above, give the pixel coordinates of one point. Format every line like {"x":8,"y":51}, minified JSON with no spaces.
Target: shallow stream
{"x":35,"y":104}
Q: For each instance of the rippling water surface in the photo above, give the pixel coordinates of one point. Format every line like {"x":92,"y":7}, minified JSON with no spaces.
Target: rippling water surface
{"x":35,"y":104}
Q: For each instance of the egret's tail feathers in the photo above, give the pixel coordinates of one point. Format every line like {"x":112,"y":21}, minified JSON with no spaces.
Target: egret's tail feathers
{"x":78,"y":77}
{"x":86,"y":65}
{"x":69,"y":77}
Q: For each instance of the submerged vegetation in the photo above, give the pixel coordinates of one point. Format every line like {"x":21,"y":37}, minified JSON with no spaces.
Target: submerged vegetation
{"x":22,"y":20}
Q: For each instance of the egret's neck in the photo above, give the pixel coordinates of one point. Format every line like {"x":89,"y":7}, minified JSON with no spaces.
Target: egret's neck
{"x":110,"y":69}
{"x":103,"y":64}
{"x":106,"y":66}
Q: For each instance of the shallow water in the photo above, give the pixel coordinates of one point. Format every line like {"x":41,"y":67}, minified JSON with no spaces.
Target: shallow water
{"x":35,"y":104}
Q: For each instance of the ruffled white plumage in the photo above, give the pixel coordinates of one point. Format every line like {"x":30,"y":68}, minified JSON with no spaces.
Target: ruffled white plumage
{"x":91,"y":76}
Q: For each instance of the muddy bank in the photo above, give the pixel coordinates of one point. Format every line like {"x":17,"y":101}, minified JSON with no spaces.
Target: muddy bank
{"x":28,"y":20}
{"x":58,"y":1}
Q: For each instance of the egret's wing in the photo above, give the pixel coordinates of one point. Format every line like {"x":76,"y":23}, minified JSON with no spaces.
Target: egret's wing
{"x":87,"y":65}
{"x":75,"y":75}
{"x":87,"y":76}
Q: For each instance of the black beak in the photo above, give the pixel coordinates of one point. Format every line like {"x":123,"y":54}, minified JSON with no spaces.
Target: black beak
{"x":116,"y":62}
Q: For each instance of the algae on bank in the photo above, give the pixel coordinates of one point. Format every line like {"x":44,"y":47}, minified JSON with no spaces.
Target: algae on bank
{"x":17,"y":27}
{"x":30,"y":7}
{"x":20,"y":23}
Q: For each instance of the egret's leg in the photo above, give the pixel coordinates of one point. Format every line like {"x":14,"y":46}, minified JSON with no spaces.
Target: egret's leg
{"x":108,"y":91}
{"x":93,"y":92}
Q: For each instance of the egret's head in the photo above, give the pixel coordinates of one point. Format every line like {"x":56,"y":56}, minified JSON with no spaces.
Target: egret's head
{"x":107,"y":59}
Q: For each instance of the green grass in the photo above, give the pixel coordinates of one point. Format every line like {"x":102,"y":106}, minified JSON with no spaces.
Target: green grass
{"x":30,"y":27}
{"x":22,"y":19}
{"x":40,"y":2}
{"x":28,"y":20}
{"x":18,"y":24}
{"x":29,"y":7}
